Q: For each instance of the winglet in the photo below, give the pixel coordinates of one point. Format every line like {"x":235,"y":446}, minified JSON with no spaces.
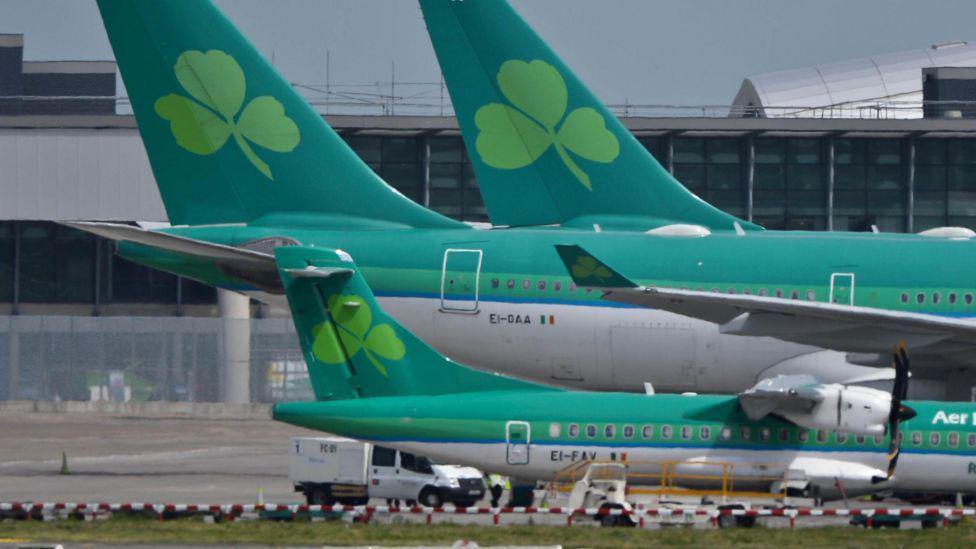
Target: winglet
{"x":588,"y":271}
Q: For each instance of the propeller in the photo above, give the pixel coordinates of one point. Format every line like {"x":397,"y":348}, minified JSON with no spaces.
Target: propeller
{"x":899,"y":412}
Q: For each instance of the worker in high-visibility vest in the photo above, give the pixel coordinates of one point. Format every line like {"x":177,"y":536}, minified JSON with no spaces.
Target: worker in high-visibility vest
{"x":496,"y":485}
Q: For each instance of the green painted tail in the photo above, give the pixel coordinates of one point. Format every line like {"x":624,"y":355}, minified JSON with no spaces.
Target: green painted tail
{"x":544,"y":149}
{"x":229,"y":140}
{"x":353,"y":349}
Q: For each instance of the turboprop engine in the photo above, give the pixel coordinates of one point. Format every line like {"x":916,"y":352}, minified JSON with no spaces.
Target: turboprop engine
{"x":859,"y":410}
{"x":807,"y":402}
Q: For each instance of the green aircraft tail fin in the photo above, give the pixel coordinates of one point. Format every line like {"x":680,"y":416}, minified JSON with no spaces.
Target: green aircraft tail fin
{"x":228,"y":138}
{"x":589,"y":272}
{"x":353,"y":348}
{"x":544,"y":149}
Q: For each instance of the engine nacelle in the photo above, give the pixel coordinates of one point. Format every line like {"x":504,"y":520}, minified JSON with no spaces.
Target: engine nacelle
{"x":859,"y":410}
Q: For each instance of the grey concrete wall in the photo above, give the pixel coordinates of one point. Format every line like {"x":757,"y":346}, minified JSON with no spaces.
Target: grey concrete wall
{"x":54,"y":174}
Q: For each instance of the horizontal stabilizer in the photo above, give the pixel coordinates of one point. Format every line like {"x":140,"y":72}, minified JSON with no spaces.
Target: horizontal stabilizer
{"x":250,"y":267}
{"x":169,"y":242}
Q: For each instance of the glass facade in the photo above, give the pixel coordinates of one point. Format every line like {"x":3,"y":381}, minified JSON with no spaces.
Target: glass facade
{"x":790,"y":184}
{"x":6,"y":261}
{"x":945,"y":183}
{"x":870,"y":186}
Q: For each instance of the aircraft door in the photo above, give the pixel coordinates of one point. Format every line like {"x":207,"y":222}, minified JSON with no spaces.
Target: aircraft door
{"x":460,"y":275}
{"x":518,"y":440}
{"x":842,"y":288}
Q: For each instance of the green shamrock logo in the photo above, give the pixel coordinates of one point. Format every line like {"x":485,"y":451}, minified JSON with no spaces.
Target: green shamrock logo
{"x":354,"y":324}
{"x":216,"y":82}
{"x":514,"y":136}
{"x":587,"y":266}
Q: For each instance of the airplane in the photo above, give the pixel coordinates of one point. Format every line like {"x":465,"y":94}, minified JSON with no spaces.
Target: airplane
{"x":245,"y":165}
{"x":376,"y":381}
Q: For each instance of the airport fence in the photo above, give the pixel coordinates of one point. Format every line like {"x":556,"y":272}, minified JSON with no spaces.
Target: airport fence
{"x":363,"y":513}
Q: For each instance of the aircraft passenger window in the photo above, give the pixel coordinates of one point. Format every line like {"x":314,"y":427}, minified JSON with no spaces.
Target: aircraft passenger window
{"x":916,"y":438}
{"x":628,"y":431}
{"x":714,"y":290}
{"x":747,"y":291}
{"x":572,"y":286}
{"x":971,"y":440}
{"x":685,"y":433}
{"x":647,"y":431}
{"x":795,"y":294}
{"x":666,"y":431}
{"x":878,"y":439}
{"x":821,"y":436}
{"x":494,"y":283}
{"x":784,"y":434}
{"x":764,"y":434}
{"x":811,"y":295}
{"x":542,"y":284}
{"x":705,"y":433}
{"x":731,"y":290}
{"x":861,"y":439}
{"x":557,"y":286}
{"x":952,"y":298}
{"x":590,"y":431}
{"x":554,"y":430}
{"x":745,"y":433}
{"x":841,"y":438}
{"x":609,"y":431}
{"x":763,"y":292}
{"x":920,"y":298}
{"x":384,"y":457}
{"x":526,"y":284}
{"x":510,"y":283}
{"x":779,"y":293}
{"x":968,"y":298}
{"x":573,"y":430}
{"x":936,"y":297}
{"x":934,"y":439}
{"x":904,"y":297}
{"x":725,"y":433}
{"x":953,"y":439}
{"x":803,"y":435}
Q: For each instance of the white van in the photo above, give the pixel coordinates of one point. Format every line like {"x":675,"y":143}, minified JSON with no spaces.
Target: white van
{"x":338,"y":470}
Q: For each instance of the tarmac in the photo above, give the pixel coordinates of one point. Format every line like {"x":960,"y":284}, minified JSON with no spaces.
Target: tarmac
{"x":155,"y":457}
{"x":176,"y":453}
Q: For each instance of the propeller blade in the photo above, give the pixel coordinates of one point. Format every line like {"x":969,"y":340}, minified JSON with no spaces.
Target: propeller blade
{"x":898,"y":412}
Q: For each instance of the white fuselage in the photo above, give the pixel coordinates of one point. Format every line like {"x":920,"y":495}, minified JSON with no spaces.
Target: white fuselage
{"x":751,"y":469}
{"x":606,"y":348}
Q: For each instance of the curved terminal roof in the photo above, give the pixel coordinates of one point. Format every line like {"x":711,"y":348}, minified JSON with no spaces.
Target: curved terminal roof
{"x":894,"y":78}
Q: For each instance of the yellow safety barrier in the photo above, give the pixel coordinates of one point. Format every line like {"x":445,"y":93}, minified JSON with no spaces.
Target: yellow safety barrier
{"x":674,"y":478}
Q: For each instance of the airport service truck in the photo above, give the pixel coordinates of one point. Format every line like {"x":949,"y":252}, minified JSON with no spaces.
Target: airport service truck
{"x":338,"y":470}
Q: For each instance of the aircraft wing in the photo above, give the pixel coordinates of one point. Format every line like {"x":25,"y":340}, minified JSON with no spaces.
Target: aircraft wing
{"x":251,"y":266}
{"x":847,"y":328}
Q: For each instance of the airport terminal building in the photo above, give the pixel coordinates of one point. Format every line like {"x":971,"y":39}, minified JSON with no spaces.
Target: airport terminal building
{"x":891,"y":148}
